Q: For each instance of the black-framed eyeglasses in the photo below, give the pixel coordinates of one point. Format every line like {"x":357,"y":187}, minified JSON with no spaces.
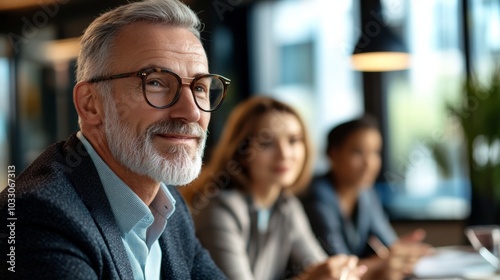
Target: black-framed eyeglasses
{"x":161,"y":88}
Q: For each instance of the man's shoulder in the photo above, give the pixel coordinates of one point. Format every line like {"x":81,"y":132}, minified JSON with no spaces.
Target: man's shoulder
{"x":52,"y":218}
{"x":51,"y":168}
{"x":50,"y":178}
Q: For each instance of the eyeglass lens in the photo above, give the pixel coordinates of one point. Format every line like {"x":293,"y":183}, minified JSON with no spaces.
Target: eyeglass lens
{"x":161,"y":90}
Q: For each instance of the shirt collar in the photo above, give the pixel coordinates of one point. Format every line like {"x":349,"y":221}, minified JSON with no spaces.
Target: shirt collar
{"x":126,"y":206}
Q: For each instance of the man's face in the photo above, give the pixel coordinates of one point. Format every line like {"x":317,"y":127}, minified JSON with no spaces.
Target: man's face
{"x":164,"y":144}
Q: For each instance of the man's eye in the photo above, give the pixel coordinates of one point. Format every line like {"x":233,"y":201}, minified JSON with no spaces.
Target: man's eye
{"x":200,"y":89}
{"x":154,"y":83}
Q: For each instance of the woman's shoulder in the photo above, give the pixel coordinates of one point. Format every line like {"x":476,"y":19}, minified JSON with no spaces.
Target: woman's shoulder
{"x":320,"y":190}
{"x":291,"y":205}
{"x":289,"y":199}
{"x":369,"y":195}
{"x":227,"y":203}
{"x":322,"y":180}
{"x":232,"y":197}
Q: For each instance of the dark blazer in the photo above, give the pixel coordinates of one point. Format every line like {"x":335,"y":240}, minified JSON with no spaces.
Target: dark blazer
{"x":65,"y":229}
{"x":339,"y":234}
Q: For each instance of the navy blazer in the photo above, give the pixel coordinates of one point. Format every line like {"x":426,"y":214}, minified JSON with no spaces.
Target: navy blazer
{"x":65,"y":229}
{"x":339,"y":234}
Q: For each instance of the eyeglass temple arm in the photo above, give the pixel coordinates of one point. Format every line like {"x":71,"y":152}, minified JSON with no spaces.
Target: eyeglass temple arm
{"x":118,"y":76}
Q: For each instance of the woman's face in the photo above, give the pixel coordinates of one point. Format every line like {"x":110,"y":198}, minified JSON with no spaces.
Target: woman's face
{"x":357,"y":161}
{"x":278,"y":150}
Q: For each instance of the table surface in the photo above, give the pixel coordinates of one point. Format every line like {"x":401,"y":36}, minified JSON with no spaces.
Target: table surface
{"x":455,"y":262}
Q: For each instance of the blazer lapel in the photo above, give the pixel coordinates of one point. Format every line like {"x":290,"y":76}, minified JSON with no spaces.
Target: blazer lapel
{"x":88,"y":185}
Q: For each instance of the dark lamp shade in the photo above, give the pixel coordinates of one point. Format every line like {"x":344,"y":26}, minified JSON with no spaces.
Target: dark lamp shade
{"x":383,"y":51}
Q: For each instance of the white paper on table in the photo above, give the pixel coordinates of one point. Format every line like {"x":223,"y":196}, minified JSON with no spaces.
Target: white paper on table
{"x":454,"y":261}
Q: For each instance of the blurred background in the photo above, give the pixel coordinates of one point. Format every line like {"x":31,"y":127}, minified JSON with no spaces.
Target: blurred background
{"x":300,"y":51}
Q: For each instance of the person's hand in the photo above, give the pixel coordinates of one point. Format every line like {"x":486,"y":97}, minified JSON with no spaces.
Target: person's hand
{"x":339,"y":267}
{"x":405,"y":253}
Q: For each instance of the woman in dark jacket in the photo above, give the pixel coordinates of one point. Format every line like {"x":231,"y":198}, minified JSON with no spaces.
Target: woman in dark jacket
{"x":345,"y":212}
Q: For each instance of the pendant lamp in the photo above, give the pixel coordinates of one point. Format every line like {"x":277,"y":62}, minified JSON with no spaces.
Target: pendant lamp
{"x":378,"y":49}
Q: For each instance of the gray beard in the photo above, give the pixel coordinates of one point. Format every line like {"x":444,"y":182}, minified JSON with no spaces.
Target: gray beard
{"x":137,"y":152}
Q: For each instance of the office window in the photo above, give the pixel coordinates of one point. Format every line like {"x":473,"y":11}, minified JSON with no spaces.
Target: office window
{"x":426,"y":170}
{"x":485,"y":37}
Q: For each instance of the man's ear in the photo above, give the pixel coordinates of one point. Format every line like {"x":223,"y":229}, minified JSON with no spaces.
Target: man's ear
{"x":88,"y":104}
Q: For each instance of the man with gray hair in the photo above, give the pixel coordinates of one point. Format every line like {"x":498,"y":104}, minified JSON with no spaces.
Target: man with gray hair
{"x":103,"y":204}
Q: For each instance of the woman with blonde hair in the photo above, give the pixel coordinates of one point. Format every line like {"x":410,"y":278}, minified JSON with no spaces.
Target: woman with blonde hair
{"x":244,"y":205}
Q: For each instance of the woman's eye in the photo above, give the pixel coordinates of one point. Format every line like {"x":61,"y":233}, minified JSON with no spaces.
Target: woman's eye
{"x":265,"y":144}
{"x":295,"y":140}
{"x":358,"y":152}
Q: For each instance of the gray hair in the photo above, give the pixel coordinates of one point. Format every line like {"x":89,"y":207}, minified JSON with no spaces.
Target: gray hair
{"x":99,"y":36}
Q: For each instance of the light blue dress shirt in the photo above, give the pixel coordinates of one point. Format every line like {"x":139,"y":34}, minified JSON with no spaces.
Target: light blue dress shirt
{"x":140,"y":225}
